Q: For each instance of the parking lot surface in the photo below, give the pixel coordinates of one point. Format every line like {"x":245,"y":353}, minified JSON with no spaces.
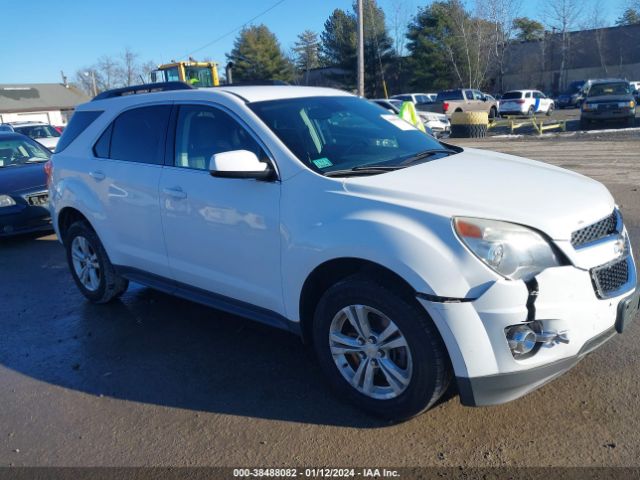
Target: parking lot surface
{"x":155,"y":380}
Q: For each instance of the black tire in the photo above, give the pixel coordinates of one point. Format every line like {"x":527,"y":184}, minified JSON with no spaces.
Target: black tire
{"x":468,"y":131}
{"x":431,"y":373}
{"x":550,"y":110}
{"x":111,"y":285}
{"x":493,"y":113}
{"x":531,"y":111}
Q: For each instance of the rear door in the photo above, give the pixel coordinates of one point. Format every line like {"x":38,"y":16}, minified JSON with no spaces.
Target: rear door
{"x":126,"y":171}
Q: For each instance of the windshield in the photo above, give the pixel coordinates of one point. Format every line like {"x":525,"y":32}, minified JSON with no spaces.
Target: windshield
{"x":38,"y":131}
{"x":338,"y":133}
{"x":617,"y":88}
{"x":199,"y":76}
{"x":21,"y":151}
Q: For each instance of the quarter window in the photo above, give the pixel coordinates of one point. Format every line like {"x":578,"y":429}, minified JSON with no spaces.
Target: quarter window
{"x":202,"y":131}
{"x":78,"y":124}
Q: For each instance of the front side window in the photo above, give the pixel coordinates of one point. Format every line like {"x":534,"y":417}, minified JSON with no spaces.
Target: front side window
{"x":136,"y":135}
{"x":203,"y":131}
{"x":337,"y":133}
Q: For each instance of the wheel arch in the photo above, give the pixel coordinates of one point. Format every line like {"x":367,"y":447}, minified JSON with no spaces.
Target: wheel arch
{"x":67,"y":217}
{"x":333,"y":271}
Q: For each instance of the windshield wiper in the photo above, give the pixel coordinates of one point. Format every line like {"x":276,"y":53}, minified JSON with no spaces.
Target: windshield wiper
{"x":361,"y":170}
{"x":426,"y":154}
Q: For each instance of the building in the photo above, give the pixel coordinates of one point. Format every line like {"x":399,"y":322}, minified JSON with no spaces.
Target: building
{"x":554,"y":62}
{"x":52,"y":103}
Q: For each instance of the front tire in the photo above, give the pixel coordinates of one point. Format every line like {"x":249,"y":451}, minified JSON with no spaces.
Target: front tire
{"x":90,"y":267}
{"x":379,"y":350}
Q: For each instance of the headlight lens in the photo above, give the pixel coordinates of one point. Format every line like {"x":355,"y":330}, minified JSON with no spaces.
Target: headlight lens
{"x":513,"y":251}
{"x":6,"y":201}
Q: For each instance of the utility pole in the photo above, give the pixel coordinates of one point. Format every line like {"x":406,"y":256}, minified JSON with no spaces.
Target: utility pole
{"x":360,"y":49}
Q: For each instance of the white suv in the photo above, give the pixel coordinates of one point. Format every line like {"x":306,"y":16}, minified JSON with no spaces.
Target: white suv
{"x":525,"y":102}
{"x":403,"y":261}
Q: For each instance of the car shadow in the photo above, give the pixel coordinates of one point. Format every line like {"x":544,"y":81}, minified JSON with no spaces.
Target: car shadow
{"x":154,"y":348}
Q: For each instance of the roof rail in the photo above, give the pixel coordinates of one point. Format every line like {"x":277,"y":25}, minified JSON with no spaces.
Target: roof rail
{"x":144,"y":88}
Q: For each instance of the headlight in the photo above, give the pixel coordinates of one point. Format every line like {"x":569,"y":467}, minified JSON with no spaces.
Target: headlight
{"x":6,"y":201}
{"x":513,"y":251}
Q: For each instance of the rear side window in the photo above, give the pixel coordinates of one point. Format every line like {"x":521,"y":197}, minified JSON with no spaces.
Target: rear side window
{"x":136,"y":135}
{"x":450,"y":95}
{"x":78,"y":124}
{"x":511,"y":95}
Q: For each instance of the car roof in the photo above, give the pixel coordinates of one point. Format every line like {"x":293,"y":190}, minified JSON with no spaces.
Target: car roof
{"x":26,"y":123}
{"x":277,"y":92}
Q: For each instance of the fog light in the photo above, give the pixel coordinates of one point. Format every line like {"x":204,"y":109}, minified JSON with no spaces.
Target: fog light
{"x":521,"y":338}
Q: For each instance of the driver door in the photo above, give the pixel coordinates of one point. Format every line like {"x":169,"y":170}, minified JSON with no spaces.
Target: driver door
{"x":222,"y":234}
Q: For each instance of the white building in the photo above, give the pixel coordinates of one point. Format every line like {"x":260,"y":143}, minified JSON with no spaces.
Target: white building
{"x":51,"y":103}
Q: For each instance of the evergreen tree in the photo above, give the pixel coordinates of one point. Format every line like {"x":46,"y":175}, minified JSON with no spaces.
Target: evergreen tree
{"x":528,"y":30}
{"x":256,"y":55}
{"x":630,"y":16}
{"x":306,"y":52}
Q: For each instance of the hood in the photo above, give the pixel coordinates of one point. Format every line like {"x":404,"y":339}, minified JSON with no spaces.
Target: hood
{"x":609,"y":98}
{"x":23,"y":178}
{"x":497,"y":186}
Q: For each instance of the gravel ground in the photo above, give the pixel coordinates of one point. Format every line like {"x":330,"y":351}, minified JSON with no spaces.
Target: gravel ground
{"x":158,"y":381}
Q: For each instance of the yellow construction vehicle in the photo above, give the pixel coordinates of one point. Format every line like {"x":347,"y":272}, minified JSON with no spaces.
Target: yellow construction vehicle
{"x":196,"y":74}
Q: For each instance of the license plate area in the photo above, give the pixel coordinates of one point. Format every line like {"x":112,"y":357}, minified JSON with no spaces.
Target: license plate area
{"x":627,"y":311}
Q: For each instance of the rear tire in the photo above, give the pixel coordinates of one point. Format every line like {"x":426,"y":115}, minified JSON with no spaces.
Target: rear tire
{"x":531,"y":111}
{"x":422,"y":359}
{"x":550,"y":110}
{"x":90,"y":267}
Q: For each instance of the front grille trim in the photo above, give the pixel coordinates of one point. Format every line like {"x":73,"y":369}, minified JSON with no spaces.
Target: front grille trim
{"x":31,"y":198}
{"x":613,"y":278}
{"x":610,"y":225}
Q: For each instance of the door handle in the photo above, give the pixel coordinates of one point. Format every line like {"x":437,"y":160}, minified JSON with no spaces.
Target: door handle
{"x":97,"y":175}
{"x":175,"y":192}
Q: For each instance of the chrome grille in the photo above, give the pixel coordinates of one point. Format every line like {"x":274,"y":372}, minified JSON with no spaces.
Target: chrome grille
{"x":610,"y":277}
{"x":595,"y":231}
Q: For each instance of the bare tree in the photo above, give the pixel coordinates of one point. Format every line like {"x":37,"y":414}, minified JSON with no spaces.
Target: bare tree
{"x":596,"y":21}
{"x":562,"y":16}
{"x":500,"y":14}
{"x":399,"y":16}
{"x":130,"y":68}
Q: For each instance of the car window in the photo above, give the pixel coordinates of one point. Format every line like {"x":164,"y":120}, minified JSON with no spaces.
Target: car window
{"x":78,"y":124}
{"x":609,"y":89}
{"x":511,"y":95}
{"x":422,"y":99}
{"x":38,"y":131}
{"x":403,"y":98}
{"x":203,"y":131}
{"x":335,"y":133}
{"x":17,"y":150}
{"x":137,"y":134}
{"x":449,"y":95}
{"x":527,"y":95}
{"x":468,"y":94}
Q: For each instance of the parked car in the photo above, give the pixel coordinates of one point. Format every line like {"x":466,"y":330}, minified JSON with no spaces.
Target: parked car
{"x":437,"y":124}
{"x":608,"y":100}
{"x":462,"y":100}
{"x":395,"y":256}
{"x":23,"y":190}
{"x":42,"y":133}
{"x":525,"y":102}
{"x":393,"y":106}
{"x":572,"y":96}
{"x":416,"y":98}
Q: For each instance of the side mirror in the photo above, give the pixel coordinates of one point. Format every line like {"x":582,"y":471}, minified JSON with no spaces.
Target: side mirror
{"x":238,"y":164}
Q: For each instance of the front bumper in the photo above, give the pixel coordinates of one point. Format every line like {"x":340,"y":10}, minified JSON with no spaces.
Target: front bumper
{"x":474,"y":331}
{"x":19,"y":219}
{"x":608,"y":114}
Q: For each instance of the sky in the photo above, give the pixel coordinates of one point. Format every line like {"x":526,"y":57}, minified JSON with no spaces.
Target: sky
{"x":45,"y":37}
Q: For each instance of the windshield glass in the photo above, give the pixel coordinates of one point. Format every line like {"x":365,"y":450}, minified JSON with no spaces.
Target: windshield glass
{"x":618,"y":88}
{"x":38,"y":131}
{"x":21,"y":151}
{"x":338,"y":133}
{"x":199,"y":76}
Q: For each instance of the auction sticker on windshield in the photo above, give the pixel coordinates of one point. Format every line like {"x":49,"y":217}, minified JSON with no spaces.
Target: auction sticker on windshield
{"x":398,"y":122}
